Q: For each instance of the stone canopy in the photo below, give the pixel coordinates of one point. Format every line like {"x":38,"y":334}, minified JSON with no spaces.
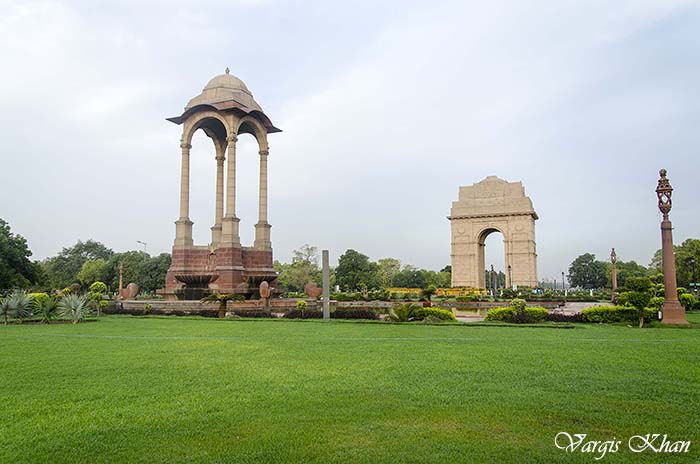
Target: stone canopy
{"x":223,"y":110}
{"x":226,"y":92}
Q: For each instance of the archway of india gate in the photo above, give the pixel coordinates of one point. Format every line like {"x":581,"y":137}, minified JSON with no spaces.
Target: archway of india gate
{"x":224,"y":110}
{"x":493,"y":205}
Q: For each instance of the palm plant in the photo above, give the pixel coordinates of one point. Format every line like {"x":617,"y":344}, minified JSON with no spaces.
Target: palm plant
{"x":403,"y":313}
{"x":18,"y":305}
{"x":45,"y":308}
{"x":74,"y":307}
{"x":221,"y":299}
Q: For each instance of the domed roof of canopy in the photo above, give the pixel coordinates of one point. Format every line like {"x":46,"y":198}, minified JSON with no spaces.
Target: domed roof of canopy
{"x":226,"y":92}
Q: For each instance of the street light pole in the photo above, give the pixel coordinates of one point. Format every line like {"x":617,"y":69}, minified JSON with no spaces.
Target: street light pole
{"x":563,"y":285}
{"x":142,"y":243}
{"x":510,"y":277}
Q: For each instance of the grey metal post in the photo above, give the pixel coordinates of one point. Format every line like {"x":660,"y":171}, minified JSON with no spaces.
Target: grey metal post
{"x":326,"y":286}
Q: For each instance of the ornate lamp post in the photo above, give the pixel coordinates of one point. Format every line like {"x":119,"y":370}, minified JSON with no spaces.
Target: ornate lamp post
{"x":672,"y":311}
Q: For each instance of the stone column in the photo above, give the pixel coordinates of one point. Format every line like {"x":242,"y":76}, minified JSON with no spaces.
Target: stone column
{"x":673,"y":312}
{"x":183,"y":226}
{"x":219,"y":213}
{"x":229,"y":233}
{"x":326,"y":276}
{"x":262,"y":228}
{"x":613,"y":269}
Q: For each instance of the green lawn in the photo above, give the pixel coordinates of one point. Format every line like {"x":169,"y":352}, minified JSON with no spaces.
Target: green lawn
{"x":199,"y":390}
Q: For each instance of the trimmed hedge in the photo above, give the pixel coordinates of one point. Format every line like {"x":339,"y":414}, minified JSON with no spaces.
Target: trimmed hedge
{"x":354,"y":313}
{"x":608,"y":314}
{"x":442,"y":314}
{"x":528,"y":315}
{"x":500,"y":314}
{"x":147,"y":309}
{"x":303,"y":314}
{"x":564,"y":317}
{"x":537,"y":313}
{"x":252,"y":313}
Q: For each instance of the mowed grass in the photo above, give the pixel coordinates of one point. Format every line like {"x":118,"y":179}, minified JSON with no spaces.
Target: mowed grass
{"x":169,"y":390}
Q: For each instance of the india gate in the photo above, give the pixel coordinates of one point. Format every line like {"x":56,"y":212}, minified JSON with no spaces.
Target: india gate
{"x":493,"y":205}
{"x":224,"y":110}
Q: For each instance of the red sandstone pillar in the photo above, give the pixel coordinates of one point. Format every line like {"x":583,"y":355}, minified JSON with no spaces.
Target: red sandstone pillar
{"x":673,"y":312}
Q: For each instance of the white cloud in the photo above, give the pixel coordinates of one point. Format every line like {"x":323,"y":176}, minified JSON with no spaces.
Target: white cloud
{"x":384,"y":116}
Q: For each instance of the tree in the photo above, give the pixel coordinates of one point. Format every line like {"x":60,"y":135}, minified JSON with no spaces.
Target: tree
{"x":388,"y":268}
{"x":16,"y":270}
{"x":93,"y":270}
{"x":638,"y":293}
{"x":63,"y":269}
{"x":302,"y":270}
{"x":625,"y":270}
{"x":151,"y":274}
{"x":440,"y":279}
{"x":306,"y":254}
{"x":356,"y":272}
{"x":147,"y":271}
{"x":410,"y":277}
{"x":587,"y":272}
{"x":685,"y":253}
{"x":97,"y":291}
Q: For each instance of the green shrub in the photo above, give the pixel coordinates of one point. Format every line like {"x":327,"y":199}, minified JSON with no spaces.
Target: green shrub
{"x":413,"y":312}
{"x":635,"y":299}
{"x":256,"y":313}
{"x":500,"y":314}
{"x":404,"y":312}
{"x":608,"y":314}
{"x":17,"y":305}
{"x":98,"y":287}
{"x":340,"y":296}
{"x":45,"y":308}
{"x":74,"y":307}
{"x":687,"y":301}
{"x":301,"y":304}
{"x":303,"y":314}
{"x":354,"y":313}
{"x":437,"y":313}
{"x":39,"y":298}
{"x":378,"y":295}
{"x":537,"y":313}
{"x":518,"y":304}
{"x":428,"y":292}
{"x":147,"y":308}
{"x":656,"y":302}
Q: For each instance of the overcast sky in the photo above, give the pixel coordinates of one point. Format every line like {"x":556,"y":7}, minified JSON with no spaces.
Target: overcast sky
{"x":386,"y":107}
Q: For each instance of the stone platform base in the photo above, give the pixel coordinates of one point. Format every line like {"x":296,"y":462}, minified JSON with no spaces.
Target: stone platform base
{"x":674,"y":314}
{"x":233,"y":269}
